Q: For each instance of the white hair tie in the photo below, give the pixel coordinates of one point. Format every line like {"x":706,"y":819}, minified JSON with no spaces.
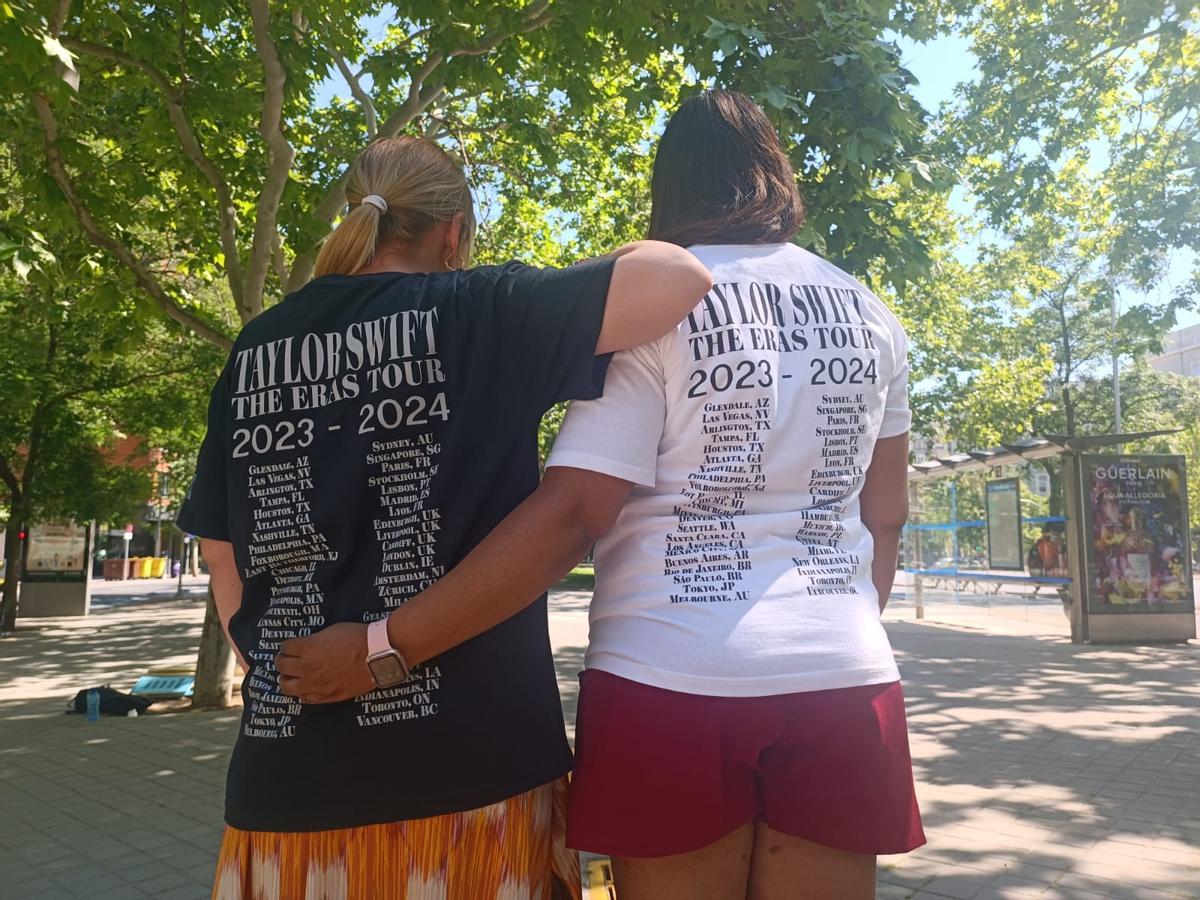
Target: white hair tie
{"x":376,"y":201}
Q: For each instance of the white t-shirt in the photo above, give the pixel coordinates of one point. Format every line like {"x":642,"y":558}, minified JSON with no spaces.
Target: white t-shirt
{"x":739,"y":567}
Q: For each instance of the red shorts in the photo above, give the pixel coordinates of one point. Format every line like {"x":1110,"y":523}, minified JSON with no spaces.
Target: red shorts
{"x":659,"y":772}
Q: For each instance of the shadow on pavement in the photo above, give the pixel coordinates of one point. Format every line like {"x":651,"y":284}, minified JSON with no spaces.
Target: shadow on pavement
{"x":48,"y":660}
{"x":1044,"y":769}
{"x":1072,"y":765}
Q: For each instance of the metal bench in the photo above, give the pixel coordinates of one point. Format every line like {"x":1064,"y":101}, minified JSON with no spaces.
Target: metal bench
{"x":960,"y":580}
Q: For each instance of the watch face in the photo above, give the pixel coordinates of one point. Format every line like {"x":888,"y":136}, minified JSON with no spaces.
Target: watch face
{"x":387,"y":669}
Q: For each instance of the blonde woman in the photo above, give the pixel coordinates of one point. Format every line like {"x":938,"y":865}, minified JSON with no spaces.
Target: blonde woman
{"x":365,"y":434}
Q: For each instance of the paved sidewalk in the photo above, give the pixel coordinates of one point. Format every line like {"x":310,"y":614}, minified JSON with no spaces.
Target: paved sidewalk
{"x":1050,"y":770}
{"x":115,"y":809}
{"x":106,"y":594}
{"x":1044,"y":769}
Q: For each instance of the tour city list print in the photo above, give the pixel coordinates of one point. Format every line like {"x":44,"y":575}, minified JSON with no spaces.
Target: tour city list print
{"x":389,"y":368}
{"x":738,"y":342}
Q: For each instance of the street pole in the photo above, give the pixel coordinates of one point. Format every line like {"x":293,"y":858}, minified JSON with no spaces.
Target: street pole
{"x":127,"y":540}
{"x":182,"y":550}
{"x":158,"y":510}
{"x":917,"y":558}
{"x":1116,"y":367}
{"x":954,"y":524}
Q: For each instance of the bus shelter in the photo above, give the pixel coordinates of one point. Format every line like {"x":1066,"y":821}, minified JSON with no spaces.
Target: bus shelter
{"x":1119,"y":554}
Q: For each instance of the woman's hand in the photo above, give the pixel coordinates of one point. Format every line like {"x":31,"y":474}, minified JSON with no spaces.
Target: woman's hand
{"x":326,"y":667}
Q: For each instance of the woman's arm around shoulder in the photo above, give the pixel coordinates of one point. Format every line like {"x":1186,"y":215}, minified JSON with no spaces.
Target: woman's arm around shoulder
{"x":528,"y":552}
{"x":654,"y":285}
{"x":883,"y":505}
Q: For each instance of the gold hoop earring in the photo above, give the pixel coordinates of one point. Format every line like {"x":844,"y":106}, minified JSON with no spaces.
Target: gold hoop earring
{"x":450,"y":262}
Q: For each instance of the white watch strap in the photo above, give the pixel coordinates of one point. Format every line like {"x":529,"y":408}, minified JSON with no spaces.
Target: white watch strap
{"x":377,"y":638}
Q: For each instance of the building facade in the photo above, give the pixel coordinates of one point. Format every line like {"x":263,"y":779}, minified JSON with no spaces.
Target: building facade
{"x":1181,"y":353}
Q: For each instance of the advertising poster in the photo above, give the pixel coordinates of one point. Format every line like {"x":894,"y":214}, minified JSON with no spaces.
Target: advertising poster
{"x":56,"y":548}
{"x":1137,"y":534}
{"x":1004,"y":524}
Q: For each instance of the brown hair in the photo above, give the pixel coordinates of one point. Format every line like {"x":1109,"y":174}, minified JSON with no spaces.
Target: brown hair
{"x":721,"y":176}
{"x":421,"y":185}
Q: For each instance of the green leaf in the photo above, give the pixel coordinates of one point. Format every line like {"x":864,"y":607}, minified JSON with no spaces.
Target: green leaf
{"x":777,"y":96}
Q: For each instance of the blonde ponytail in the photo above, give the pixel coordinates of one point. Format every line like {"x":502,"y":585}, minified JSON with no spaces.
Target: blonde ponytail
{"x":420,"y":184}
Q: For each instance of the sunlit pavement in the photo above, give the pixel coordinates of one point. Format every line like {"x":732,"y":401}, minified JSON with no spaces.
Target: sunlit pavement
{"x":136,"y":590}
{"x":1044,"y":769}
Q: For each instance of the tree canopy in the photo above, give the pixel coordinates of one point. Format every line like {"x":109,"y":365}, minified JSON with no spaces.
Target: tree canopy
{"x":171,"y":170}
{"x":224,"y":131}
{"x":1075,"y":148}
{"x":201,"y":149}
{"x":81,"y":373}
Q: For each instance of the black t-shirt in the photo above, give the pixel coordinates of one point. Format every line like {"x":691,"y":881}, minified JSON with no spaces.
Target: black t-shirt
{"x":365,"y":435}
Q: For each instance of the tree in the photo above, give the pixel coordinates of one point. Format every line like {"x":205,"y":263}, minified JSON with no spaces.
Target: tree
{"x":1080,"y":135}
{"x":1077,"y":148}
{"x":977,"y":377}
{"x":1063,"y":267}
{"x":210,"y":126}
{"x":74,"y":374}
{"x":84,"y":361}
{"x":1111,"y":82}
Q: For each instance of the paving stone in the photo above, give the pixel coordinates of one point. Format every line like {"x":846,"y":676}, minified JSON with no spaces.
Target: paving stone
{"x":186,"y":892}
{"x":957,"y":888}
{"x":1141,"y":892}
{"x":86,"y":885}
{"x":1043,"y":769}
{"x":43,"y":891}
{"x":901,"y":878}
{"x":126,"y":892}
{"x":162,"y":883}
{"x":146,"y":871}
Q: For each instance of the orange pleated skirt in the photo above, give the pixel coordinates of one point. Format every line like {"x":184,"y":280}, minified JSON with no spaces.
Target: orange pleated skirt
{"x":512,"y":850}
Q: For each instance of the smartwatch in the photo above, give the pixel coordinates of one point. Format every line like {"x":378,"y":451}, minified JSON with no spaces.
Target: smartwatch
{"x":387,"y":666}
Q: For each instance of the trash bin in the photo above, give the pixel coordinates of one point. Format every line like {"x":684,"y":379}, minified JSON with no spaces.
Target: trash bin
{"x":113,"y":569}
{"x":145,"y":564}
{"x":158,"y":567}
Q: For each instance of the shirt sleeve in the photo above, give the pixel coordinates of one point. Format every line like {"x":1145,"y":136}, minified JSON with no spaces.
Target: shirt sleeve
{"x":550,"y":320}
{"x":897,"y":418}
{"x":619,"y":434}
{"x":205,"y":510}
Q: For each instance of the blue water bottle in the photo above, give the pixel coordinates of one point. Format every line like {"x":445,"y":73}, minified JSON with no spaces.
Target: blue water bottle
{"x":93,"y":705}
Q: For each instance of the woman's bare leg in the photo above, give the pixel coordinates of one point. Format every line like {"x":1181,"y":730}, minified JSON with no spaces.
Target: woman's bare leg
{"x":719,"y":871}
{"x":783,"y":867}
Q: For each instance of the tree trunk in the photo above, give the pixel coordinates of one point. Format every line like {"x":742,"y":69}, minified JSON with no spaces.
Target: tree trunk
{"x":1056,"y":490}
{"x":12,"y":573}
{"x":1069,"y":409}
{"x":214,"y":663}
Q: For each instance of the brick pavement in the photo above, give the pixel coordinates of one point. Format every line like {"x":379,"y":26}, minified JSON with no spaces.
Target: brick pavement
{"x":1049,"y":770}
{"x":1044,"y":769}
